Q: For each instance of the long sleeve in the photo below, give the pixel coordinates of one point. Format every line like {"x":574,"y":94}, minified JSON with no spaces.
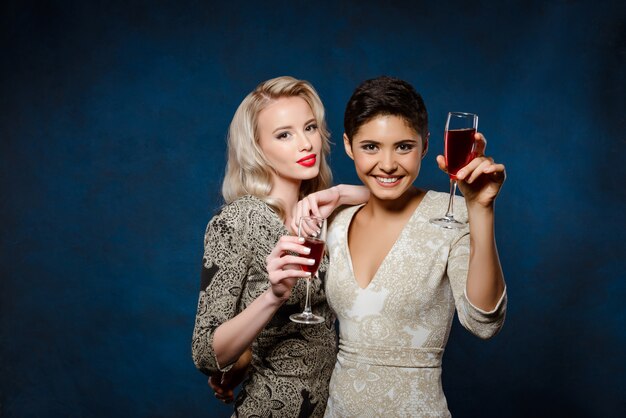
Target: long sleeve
{"x":224,"y":271}
{"x":481,"y":323}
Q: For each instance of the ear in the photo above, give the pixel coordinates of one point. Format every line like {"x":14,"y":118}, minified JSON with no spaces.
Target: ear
{"x":347,"y":146}
{"x":425,"y":145}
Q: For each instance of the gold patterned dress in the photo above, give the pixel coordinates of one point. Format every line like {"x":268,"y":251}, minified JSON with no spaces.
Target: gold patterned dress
{"x":291,"y":363}
{"x":392,"y":333}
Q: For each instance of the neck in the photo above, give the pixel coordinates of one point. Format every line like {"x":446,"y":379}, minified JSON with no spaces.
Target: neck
{"x":287,"y":192}
{"x":389,"y":208}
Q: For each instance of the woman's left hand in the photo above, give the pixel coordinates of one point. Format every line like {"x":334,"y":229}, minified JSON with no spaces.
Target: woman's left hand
{"x":224,"y":384}
{"x":481,"y":179}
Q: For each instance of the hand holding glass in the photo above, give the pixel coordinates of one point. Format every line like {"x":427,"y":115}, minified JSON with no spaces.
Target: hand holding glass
{"x":459,"y":150}
{"x":313,"y":230}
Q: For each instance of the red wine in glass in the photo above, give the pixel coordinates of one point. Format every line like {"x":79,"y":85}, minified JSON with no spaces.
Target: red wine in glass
{"x":313,"y":230}
{"x":458,"y":151}
{"x":317,"y":250}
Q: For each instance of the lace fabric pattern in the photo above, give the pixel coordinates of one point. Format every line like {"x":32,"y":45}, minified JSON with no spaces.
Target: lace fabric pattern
{"x":291,"y":363}
{"x":394,"y":331}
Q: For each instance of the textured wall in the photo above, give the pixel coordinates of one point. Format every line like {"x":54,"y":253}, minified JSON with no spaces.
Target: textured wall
{"x":112,"y":126}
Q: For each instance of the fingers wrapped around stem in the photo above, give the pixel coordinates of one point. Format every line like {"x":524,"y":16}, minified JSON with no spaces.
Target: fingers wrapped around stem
{"x":481,"y":179}
{"x":283,"y":265}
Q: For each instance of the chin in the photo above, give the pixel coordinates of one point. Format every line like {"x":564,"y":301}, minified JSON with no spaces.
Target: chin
{"x":386,"y":194}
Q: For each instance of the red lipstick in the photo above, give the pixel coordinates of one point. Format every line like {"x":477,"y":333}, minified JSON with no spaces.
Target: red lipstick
{"x":308,"y":161}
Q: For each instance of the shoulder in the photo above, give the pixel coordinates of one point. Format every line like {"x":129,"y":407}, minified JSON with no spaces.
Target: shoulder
{"x":436,"y":198}
{"x":244,"y":208}
{"x":339,"y":225}
{"x":343,"y":215}
{"x":236,"y":215}
{"x":435,"y":204}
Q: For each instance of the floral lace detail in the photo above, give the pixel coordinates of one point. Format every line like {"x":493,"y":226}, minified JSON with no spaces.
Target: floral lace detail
{"x":393,"y":332}
{"x":291,"y":363}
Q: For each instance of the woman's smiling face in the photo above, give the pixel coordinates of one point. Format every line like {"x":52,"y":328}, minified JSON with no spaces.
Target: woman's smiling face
{"x":387,"y":155}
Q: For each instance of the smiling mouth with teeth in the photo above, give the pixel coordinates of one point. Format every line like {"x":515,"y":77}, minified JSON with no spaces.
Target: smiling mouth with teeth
{"x":388,"y":180}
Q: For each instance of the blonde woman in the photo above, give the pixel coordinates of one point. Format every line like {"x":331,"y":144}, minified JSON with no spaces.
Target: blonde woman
{"x":277,"y":148}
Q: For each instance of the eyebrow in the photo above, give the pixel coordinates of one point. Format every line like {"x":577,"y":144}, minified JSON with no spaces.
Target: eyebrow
{"x":291,"y":127}
{"x":402,"y":141}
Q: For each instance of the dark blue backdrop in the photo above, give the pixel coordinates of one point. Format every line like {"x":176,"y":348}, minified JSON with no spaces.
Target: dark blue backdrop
{"x":112,"y":126}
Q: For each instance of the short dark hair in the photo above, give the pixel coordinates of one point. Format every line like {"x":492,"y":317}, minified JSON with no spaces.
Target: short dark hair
{"x":385,"y":96}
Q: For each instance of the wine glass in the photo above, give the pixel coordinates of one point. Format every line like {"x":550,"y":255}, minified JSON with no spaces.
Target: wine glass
{"x":459,"y":150}
{"x":313,"y":230}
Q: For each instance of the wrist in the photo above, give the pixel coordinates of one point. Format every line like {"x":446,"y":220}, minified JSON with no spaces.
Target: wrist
{"x":478,"y":207}
{"x":272,"y":301}
{"x":479,"y":211}
{"x":340,"y":190}
{"x":351,"y":195}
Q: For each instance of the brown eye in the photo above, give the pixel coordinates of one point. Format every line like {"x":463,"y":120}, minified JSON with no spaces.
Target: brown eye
{"x":405,"y":147}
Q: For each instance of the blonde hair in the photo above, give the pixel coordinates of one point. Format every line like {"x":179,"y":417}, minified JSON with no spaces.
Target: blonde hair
{"x":248,"y":172}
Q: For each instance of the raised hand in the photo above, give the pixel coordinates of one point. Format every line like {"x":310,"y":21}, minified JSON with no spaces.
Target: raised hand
{"x":323,"y":203}
{"x":320,"y":204}
{"x":481,"y":179}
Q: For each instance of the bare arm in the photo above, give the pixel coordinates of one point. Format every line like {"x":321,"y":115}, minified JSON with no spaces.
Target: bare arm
{"x":485,"y":280}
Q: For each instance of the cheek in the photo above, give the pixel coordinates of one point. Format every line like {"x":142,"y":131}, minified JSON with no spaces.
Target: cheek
{"x":413,"y":164}
{"x":275,"y":154}
{"x":363,"y":163}
{"x":316,"y":141}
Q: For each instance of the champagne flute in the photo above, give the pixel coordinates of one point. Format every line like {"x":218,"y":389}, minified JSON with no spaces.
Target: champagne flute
{"x":313,"y":230}
{"x":459,"y":150}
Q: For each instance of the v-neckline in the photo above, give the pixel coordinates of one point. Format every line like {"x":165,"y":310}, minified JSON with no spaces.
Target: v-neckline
{"x":398,"y":239}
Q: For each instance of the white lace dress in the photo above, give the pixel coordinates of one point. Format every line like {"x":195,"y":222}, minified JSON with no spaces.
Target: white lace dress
{"x":394,"y":331}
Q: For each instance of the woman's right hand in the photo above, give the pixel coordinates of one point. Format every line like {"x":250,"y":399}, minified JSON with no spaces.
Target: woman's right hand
{"x":323,"y":203}
{"x":283,"y":266}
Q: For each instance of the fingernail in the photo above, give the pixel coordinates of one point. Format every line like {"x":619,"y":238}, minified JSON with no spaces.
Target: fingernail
{"x":310,"y":261}
{"x":307,"y":250}
{"x":300,"y":240}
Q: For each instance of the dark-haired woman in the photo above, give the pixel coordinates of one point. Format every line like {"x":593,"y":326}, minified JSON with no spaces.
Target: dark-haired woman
{"x":394,"y":278}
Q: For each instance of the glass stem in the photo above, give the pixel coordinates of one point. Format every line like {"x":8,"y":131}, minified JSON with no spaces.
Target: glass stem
{"x":307,"y":300}
{"x":450,"y":212}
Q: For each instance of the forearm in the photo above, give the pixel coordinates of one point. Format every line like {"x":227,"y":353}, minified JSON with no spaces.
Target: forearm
{"x":485,"y":280}
{"x":352,"y":195}
{"x":233,"y":337}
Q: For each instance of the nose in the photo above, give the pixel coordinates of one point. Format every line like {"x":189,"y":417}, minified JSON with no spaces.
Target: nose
{"x":304,"y":143}
{"x":388,"y":163}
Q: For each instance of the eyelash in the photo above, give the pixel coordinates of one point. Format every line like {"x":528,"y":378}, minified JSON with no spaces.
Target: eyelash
{"x":308,"y":128}
{"x":403,"y":148}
